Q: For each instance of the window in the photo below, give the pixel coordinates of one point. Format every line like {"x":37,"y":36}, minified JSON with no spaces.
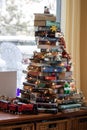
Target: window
{"x":17,"y":32}
{"x":16,"y":17}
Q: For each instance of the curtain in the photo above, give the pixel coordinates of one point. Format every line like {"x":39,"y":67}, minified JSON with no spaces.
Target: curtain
{"x":83,"y":47}
{"x":72,"y":36}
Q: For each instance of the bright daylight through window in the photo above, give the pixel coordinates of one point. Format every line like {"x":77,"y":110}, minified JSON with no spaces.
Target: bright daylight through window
{"x":17,"y":41}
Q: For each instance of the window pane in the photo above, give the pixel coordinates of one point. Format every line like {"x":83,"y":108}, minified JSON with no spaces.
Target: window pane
{"x":17,"y":29}
{"x":16,"y":17}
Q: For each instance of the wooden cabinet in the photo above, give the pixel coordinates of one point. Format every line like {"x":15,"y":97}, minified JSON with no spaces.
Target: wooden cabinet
{"x":82,"y":123}
{"x":72,"y":124}
{"x":78,"y":123}
{"x":5,"y":128}
{"x":59,"y":121}
{"x":18,"y":127}
{"x":53,"y":125}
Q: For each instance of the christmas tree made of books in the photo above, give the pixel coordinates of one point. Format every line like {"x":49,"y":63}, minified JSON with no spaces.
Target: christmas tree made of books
{"x":49,"y":82}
